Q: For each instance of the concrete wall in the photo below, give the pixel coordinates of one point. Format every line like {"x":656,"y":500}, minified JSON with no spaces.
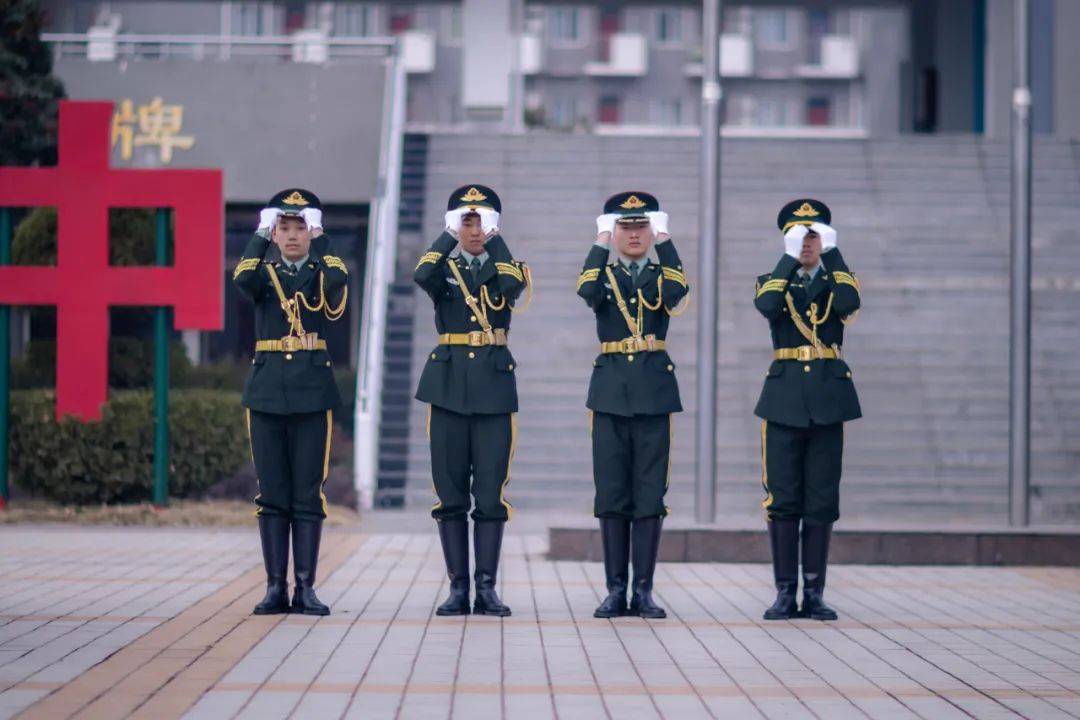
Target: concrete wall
{"x":314,"y":126}
{"x":1066,"y":79}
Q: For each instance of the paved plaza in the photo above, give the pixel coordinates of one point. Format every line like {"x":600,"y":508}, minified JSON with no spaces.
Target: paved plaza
{"x":111,"y":623}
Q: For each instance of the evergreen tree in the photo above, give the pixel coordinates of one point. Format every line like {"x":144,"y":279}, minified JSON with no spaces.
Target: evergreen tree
{"x":28,"y":90}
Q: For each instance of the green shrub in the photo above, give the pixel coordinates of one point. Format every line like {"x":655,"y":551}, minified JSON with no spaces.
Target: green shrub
{"x":112,"y":460}
{"x":132,"y":233}
{"x":219,"y":375}
{"x":131,"y":364}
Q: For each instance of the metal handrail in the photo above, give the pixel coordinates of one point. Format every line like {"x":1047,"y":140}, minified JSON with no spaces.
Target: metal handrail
{"x":381,"y":252}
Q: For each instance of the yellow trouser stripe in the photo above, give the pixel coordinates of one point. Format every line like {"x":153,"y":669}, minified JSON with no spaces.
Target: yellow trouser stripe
{"x":509,"y":462}
{"x":434,"y":490}
{"x":326,"y":458}
{"x":767,"y":502}
{"x":251,"y":452}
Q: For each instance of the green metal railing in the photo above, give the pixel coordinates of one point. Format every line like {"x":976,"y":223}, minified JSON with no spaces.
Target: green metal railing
{"x":161,"y":373}
{"x":5,"y":361}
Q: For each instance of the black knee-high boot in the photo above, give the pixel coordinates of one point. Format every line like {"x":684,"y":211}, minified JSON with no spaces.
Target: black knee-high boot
{"x":274,"y":534}
{"x":487,"y":543}
{"x":784,"y":541}
{"x":815,"y":560}
{"x":454,"y":536}
{"x":615,"y":534}
{"x":644,"y":549}
{"x":306,"y":536}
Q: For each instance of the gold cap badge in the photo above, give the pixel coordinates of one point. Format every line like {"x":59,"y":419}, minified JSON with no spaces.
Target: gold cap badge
{"x":473,"y":195}
{"x":806,"y":210}
{"x":295,"y":199}
{"x":632,"y":203}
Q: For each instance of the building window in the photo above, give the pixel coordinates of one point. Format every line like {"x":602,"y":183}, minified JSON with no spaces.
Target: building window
{"x":817,"y":111}
{"x":295,"y":15}
{"x":563,"y":112}
{"x":609,"y":110}
{"x":772,"y":112}
{"x":668,"y":26}
{"x":450,"y":25}
{"x":252,"y":18}
{"x":737,"y":20}
{"x":666,"y":112}
{"x":400,"y":21}
{"x":772,"y":27}
{"x":354,"y":20}
{"x":817,"y":21}
{"x":740,"y":110}
{"x":564,"y":24}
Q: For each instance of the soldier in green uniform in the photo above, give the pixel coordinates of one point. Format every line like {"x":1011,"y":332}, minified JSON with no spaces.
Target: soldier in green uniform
{"x":290,"y":395}
{"x":633,"y":390}
{"x":808,"y":396}
{"x":469,"y":383}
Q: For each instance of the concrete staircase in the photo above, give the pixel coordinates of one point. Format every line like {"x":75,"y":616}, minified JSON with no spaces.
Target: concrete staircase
{"x":923,"y":221}
{"x":398,"y":387}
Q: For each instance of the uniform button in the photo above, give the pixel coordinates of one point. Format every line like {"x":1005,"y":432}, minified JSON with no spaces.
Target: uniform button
{"x":630,"y":358}
{"x":633,"y":300}
{"x":670,"y":367}
{"x":432,"y":356}
{"x":806,"y":368}
{"x":327,"y":363}
{"x":848,"y":373}
{"x":472,"y":318}
{"x":512,"y":367}
{"x":472,"y":354}
{"x":288,"y":356}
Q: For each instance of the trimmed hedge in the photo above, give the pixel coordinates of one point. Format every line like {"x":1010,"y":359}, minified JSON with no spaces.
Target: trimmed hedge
{"x":131,"y":364}
{"x":112,"y":460}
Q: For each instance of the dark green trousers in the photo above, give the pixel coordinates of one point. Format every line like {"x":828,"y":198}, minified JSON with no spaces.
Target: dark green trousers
{"x":801,"y":471}
{"x":292,"y":457}
{"x":631,"y":462}
{"x":479,"y":448}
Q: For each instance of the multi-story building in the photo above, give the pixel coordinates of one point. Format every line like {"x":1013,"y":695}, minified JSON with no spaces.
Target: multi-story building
{"x":861,"y":67}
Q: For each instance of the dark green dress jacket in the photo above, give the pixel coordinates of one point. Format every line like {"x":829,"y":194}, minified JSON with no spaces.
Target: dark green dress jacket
{"x":290,"y":382}
{"x":633,"y":383}
{"x":808,"y":391}
{"x":463,"y":379}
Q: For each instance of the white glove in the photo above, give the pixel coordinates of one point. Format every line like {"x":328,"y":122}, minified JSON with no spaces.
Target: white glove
{"x":453,"y":219}
{"x":312,"y":218}
{"x":828,"y":235}
{"x":489,"y":220}
{"x":606,"y":223}
{"x":793,"y":240}
{"x":267,"y":218}
{"x":658,"y":221}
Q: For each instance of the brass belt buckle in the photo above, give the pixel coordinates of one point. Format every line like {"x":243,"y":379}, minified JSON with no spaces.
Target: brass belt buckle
{"x":627,"y":345}
{"x":291,"y":343}
{"x":476,"y":338}
{"x":805,"y":353}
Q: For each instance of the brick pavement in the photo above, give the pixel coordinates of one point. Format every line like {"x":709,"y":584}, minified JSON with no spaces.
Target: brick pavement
{"x":109,"y":623}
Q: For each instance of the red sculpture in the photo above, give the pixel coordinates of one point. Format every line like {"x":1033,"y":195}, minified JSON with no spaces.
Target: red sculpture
{"x":82,"y":285}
